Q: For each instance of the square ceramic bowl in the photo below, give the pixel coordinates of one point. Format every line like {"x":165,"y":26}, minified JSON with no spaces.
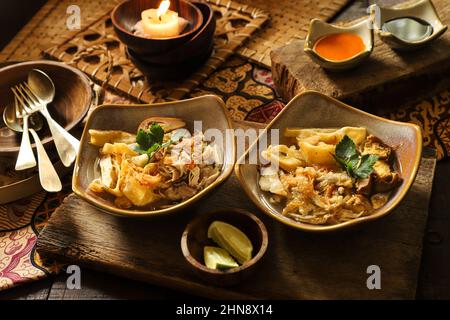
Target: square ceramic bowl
{"x":209,"y":109}
{"x":422,"y":9}
{"x":315,"y":110}
{"x":319,"y":29}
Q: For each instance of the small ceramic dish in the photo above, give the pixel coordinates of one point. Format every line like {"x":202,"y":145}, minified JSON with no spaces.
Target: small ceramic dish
{"x":125,"y":16}
{"x":315,"y":110}
{"x":423,"y":10}
{"x":195,"y":238}
{"x":73,"y":98}
{"x":319,"y":29}
{"x":209,"y":109}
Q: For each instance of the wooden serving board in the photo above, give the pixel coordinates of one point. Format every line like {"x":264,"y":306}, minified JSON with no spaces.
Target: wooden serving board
{"x":297,"y":265}
{"x":394,"y":73}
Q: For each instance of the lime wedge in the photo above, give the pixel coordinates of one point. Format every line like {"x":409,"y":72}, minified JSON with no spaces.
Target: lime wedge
{"x":232,"y":240}
{"x":218,"y":258}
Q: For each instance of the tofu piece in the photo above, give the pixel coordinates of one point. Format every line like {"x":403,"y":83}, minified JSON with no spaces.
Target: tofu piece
{"x":375,"y":146}
{"x":365,"y":186}
{"x":385,"y":179}
{"x":381,"y":169}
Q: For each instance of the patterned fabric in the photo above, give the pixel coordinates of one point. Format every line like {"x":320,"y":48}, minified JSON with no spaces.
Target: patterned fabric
{"x":246,"y":89}
{"x":433,"y":116}
{"x":249,"y":95}
{"x":17,"y":257}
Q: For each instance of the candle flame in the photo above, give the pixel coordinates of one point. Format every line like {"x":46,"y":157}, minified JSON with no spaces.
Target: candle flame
{"x":163,"y":7}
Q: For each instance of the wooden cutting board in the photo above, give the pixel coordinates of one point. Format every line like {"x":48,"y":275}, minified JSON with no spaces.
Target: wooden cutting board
{"x":297,"y":265}
{"x":395,"y":73}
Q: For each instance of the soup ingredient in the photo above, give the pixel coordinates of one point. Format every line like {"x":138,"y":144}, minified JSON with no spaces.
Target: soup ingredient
{"x":232,"y":240}
{"x":408,"y":29}
{"x":148,"y":138}
{"x":154,"y":168}
{"x":218,"y":258}
{"x":151,"y":141}
{"x":101,"y":137}
{"x":339,"y":46}
{"x":373,"y":145}
{"x":317,"y":145}
{"x":357,"y":166}
{"x":167,"y":123}
{"x":342,"y":175}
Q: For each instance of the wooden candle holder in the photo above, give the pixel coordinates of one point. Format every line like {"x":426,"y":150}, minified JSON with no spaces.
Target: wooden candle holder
{"x":125,"y":16}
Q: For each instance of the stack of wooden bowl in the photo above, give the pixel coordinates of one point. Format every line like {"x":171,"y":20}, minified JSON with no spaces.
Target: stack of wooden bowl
{"x":171,"y":57}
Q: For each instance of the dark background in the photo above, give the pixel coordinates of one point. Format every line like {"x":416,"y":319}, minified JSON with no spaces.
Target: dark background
{"x":14,"y":14}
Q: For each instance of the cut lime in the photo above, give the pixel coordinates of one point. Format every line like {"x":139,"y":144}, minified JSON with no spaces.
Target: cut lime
{"x":218,"y":258}
{"x":224,"y":267}
{"x":232,"y":240}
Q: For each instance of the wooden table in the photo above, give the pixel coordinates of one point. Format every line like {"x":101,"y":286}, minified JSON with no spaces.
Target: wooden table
{"x":434,"y":280}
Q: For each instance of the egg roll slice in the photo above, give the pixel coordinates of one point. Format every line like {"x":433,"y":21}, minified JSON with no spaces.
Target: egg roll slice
{"x":100,"y":137}
{"x":287,"y":158}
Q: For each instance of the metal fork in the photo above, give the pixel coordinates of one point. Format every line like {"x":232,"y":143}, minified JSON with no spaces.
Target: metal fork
{"x":47,"y":174}
{"x":66,"y":145}
{"x":25,"y":159}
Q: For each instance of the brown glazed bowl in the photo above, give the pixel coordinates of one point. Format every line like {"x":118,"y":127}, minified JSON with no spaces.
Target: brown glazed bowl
{"x":73,"y":98}
{"x":128,"y":13}
{"x":195,"y":238}
{"x":208,"y":109}
{"x":315,"y":110}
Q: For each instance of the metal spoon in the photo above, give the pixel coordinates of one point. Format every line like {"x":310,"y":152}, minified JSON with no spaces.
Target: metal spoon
{"x":48,"y":176}
{"x":44,"y":89}
{"x":9,"y":118}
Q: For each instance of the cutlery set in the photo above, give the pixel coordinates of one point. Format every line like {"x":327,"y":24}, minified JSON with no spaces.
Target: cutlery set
{"x":31,"y":98}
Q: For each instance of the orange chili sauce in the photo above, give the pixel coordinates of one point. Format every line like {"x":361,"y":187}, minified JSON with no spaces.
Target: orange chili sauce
{"x":339,"y":46}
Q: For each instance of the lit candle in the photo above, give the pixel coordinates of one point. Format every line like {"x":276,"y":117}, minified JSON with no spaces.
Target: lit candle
{"x":161,"y":22}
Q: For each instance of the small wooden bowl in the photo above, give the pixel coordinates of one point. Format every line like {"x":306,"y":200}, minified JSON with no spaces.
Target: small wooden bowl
{"x":73,"y":98}
{"x":201,"y":44}
{"x":128,"y":13}
{"x":175,"y":71}
{"x":195,"y":238}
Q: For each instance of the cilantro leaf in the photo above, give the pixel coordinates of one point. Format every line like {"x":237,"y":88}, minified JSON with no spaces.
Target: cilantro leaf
{"x":151,"y":141}
{"x":365,"y":167}
{"x":345,"y":149}
{"x":143,"y":139}
{"x":158,"y":132}
{"x":146,"y":139}
{"x":357,"y":166}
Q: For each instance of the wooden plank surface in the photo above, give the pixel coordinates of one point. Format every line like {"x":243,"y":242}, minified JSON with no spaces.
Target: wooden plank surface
{"x":434,"y":281}
{"x":102,"y":286}
{"x":394,"y":72}
{"x":434,"y":274}
{"x":36,"y":290}
{"x":297,"y":265}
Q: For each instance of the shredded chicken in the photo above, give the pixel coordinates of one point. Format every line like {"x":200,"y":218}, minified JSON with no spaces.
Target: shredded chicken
{"x":173,"y":174}
{"x":321,"y":192}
